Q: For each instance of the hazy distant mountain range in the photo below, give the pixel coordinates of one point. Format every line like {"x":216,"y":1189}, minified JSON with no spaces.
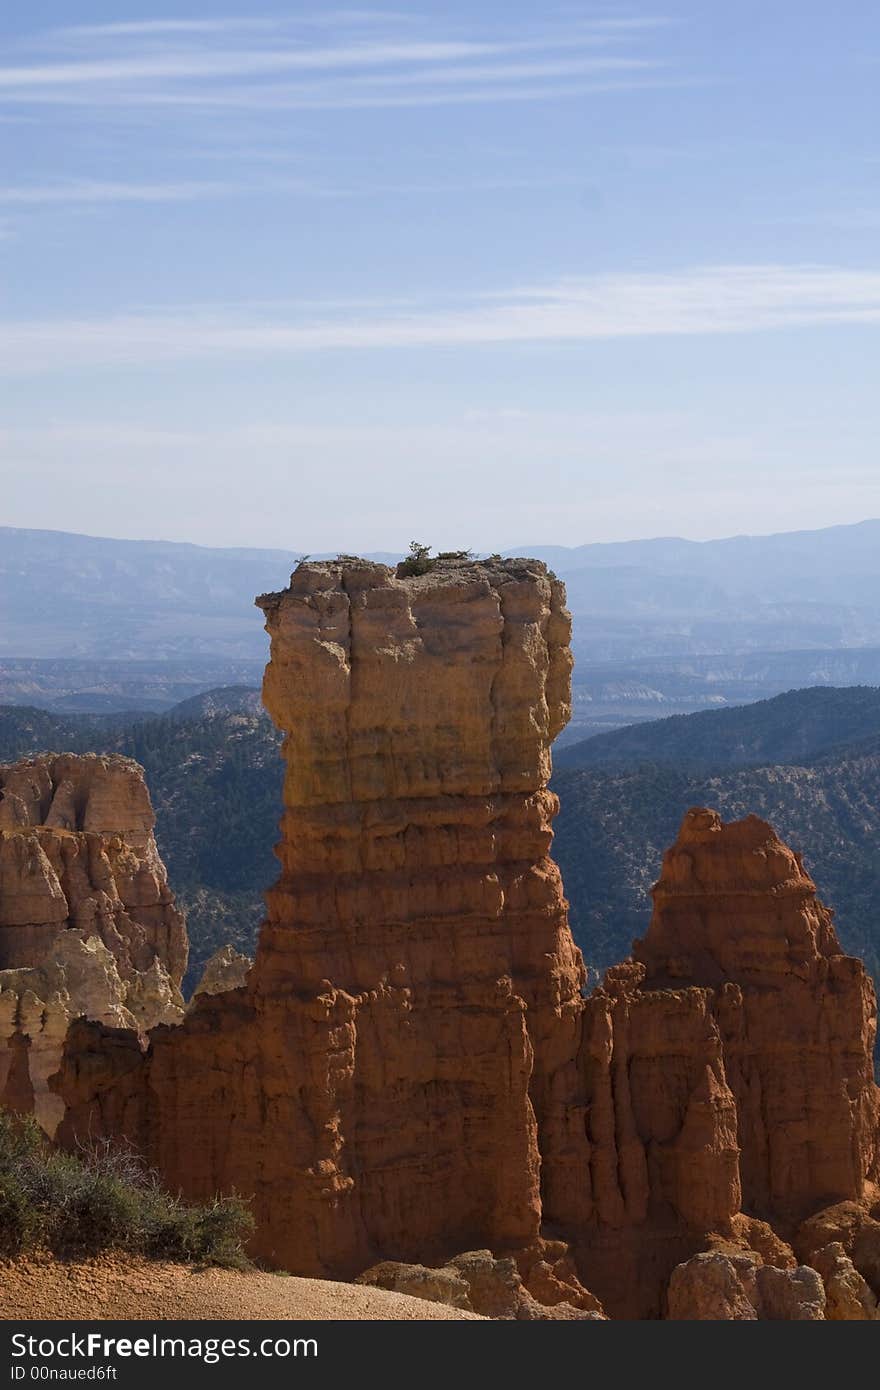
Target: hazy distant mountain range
{"x":82,"y":597}
{"x":659,"y":625}
{"x":796,"y":590}
{"x":83,"y":685}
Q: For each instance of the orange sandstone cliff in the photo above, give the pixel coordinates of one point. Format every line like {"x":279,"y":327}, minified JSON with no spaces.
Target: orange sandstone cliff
{"x":411,"y":1070}
{"x":735,"y":912}
{"x":88,"y":924}
{"x":727,"y":1070}
{"x":77,"y":852}
{"x":410,"y":1022}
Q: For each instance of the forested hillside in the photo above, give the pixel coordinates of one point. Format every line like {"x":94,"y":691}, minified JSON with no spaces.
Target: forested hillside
{"x":616,"y":822}
{"x":798,"y":725}
{"x":215,"y":781}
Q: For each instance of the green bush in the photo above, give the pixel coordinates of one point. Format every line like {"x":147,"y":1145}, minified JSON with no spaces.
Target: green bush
{"x":19,"y":1226}
{"x":418,"y":561}
{"x":421,"y":561}
{"x":209,"y":1234}
{"x":77,"y":1205}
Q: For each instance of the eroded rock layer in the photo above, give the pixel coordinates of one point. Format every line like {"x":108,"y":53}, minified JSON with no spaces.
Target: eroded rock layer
{"x":411,"y":1019}
{"x":410,"y":1068}
{"x":736,"y":912}
{"x":727,"y":1065}
{"x":88,"y":925}
{"x":77,"y":852}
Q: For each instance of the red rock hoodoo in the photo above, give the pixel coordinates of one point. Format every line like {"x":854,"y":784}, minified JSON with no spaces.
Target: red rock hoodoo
{"x":88,"y":924}
{"x":735,"y":911}
{"x":411,"y":1019}
{"x":411,"y":1070}
{"x":727,"y":1068}
{"x":77,"y":852}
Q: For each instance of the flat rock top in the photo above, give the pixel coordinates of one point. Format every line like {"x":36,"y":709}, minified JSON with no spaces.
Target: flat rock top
{"x":350,"y":573}
{"x":87,"y":762}
{"x":123,"y":1288}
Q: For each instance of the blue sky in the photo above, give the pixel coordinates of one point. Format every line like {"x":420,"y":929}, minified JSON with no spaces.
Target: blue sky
{"x":481,"y":273}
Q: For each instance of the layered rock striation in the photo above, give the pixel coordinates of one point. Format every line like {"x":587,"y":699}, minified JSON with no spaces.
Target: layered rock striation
{"x":735,"y":913}
{"x":78,"y":853}
{"x":726,"y":1068}
{"x":88,"y":925}
{"x":408,"y":1028}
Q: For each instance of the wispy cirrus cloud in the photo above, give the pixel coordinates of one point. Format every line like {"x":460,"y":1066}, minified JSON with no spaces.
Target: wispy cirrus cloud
{"x":269,"y":98}
{"x":199,"y":63}
{"x":598,"y":29}
{"x":352,"y":58}
{"x":162,"y":28}
{"x":83,"y":192}
{"x":114,"y":31}
{"x":702,"y":301}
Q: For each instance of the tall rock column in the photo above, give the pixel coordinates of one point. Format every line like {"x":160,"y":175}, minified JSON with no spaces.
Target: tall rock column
{"x":410,"y":1023}
{"x":418,"y":713}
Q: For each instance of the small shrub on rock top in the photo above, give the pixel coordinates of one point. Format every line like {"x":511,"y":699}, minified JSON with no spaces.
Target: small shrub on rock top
{"x":421,"y":561}
{"x":418,"y":561}
{"x":76,"y":1205}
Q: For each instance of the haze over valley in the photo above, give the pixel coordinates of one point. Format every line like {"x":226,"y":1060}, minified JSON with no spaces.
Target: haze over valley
{"x":660,"y":626}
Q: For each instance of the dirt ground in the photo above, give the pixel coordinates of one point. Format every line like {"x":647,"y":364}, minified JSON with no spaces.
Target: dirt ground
{"x":123,"y":1288}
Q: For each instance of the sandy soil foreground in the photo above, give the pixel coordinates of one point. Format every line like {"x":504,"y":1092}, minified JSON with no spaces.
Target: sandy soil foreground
{"x":118,"y":1287}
